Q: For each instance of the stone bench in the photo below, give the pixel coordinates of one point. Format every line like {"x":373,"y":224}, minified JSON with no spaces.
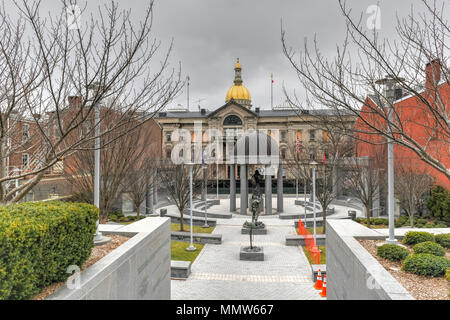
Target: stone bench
{"x":202,"y":238}
{"x":180,"y":269}
{"x":315,"y":270}
{"x":196,"y":221}
{"x":298,"y":240}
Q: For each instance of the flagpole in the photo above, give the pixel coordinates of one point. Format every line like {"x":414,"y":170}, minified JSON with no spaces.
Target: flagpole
{"x":188,"y":84}
{"x":217,"y":169}
{"x":271,"y":91}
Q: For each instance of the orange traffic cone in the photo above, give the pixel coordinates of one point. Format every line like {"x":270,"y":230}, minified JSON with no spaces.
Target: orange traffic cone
{"x":324,"y":288}
{"x":318,"y":284}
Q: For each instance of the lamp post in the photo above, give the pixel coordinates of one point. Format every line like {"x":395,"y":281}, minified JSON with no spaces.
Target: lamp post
{"x":314,"y":164}
{"x":191,"y":246}
{"x":206,"y":196}
{"x":389,"y":83}
{"x":98,"y":235}
{"x":304,"y":193}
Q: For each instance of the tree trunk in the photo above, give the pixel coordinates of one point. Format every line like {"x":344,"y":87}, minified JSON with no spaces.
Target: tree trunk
{"x":411,"y":215}
{"x":368,"y":214}
{"x":181,"y":218}
{"x":324,"y":211}
{"x":138,"y":211}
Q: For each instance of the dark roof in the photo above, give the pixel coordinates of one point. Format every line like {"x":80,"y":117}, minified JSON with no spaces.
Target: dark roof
{"x":262,"y":113}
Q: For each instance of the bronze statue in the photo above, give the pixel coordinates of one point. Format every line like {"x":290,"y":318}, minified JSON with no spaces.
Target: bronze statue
{"x":256,"y":199}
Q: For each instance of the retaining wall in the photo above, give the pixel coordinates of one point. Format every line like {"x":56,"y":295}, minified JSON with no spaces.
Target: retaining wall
{"x":137,"y":270}
{"x":352,"y":272}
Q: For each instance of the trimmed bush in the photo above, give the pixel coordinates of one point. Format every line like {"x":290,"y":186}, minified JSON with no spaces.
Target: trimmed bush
{"x":443,"y":239}
{"x":39,"y":241}
{"x":426,"y":264}
{"x":415,"y":237}
{"x":392,"y":252}
{"x":429,"y":247}
{"x":447,"y":274}
{"x":439,"y":203}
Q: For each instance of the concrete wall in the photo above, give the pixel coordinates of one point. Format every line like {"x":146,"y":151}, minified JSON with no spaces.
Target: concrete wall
{"x":137,"y":270}
{"x":352,"y":272}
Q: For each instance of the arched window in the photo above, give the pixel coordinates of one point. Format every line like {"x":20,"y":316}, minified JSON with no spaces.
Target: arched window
{"x":232,"y":120}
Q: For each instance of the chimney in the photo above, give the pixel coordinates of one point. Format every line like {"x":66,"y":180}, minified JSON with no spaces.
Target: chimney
{"x":433,"y":74}
{"x":257,"y":110}
{"x":203,"y":112}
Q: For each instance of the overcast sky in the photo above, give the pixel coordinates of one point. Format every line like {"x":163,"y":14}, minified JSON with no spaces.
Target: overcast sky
{"x":210,"y":34}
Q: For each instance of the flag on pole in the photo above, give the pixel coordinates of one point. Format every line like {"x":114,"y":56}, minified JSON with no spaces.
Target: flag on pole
{"x":324,"y":157}
{"x":298,"y":148}
{"x":203,"y":159}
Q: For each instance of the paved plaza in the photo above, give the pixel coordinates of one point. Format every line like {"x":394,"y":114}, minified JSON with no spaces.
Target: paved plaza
{"x":218,"y":274}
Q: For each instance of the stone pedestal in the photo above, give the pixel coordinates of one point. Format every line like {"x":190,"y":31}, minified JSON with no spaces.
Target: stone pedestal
{"x":253,"y":255}
{"x":256,"y":232}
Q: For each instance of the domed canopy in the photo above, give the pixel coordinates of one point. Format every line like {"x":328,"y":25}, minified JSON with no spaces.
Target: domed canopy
{"x":256,"y":148}
{"x":238,"y":92}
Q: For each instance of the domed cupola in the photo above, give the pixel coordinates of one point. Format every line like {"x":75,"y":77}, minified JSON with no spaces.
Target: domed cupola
{"x":238,"y":92}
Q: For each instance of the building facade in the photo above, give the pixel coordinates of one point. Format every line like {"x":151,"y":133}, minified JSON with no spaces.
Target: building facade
{"x":287,"y":126}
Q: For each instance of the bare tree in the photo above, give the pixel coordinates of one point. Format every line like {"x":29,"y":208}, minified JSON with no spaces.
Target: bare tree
{"x":411,"y":185}
{"x":117,"y":161}
{"x":344,"y":83}
{"x":139,"y":180}
{"x":364,"y":175}
{"x":109,"y":60}
{"x":326,"y":179}
{"x":175,"y":179}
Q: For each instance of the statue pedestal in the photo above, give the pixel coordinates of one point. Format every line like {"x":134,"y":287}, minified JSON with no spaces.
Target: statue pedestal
{"x":256,"y":232}
{"x":246,"y":254}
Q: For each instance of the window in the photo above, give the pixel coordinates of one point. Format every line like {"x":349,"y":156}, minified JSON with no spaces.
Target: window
{"x":169,"y":136}
{"x":311,"y":156}
{"x":25,"y":159}
{"x":283,"y":154}
{"x":25,"y":131}
{"x":283,"y":135}
{"x":168,"y":154}
{"x":232,"y":120}
{"x":312,"y":135}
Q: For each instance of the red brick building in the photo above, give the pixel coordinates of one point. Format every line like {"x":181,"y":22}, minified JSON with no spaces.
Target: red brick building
{"x":417,"y":122}
{"x":28,"y":142}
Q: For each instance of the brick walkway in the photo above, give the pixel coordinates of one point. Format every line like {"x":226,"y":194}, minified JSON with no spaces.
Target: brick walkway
{"x":218,"y":274}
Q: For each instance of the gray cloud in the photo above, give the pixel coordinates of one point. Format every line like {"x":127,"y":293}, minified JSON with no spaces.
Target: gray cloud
{"x":210,"y":34}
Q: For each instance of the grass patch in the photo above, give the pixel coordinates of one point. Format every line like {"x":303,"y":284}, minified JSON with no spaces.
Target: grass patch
{"x":319,"y":230}
{"x":323,"y":255}
{"x":187,"y":228}
{"x":178,"y":251}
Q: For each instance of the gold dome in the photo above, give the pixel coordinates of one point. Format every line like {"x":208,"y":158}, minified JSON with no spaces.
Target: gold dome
{"x":238,"y":92}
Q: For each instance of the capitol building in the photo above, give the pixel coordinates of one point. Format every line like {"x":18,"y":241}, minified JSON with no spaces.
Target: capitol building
{"x":291,"y":127}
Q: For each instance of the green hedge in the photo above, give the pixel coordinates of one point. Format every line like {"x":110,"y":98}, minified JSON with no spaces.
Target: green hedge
{"x":39,"y":241}
{"x":392,"y":252}
{"x":415,"y":237}
{"x":447,"y":274}
{"x":429,"y":247}
{"x":426,"y":264}
{"x":443,"y":239}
